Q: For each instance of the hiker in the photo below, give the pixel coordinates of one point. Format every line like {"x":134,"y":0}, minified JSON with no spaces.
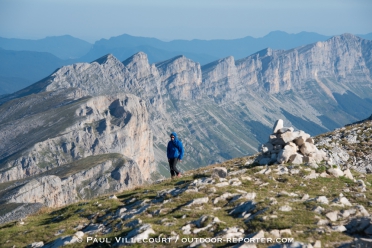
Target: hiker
{"x":174,"y":154}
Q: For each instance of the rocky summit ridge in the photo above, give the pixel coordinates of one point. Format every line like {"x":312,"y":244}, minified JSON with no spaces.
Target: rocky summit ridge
{"x":237,"y":203}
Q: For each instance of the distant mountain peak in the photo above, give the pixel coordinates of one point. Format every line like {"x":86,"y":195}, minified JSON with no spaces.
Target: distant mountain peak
{"x":105,"y":59}
{"x":138,"y":57}
{"x":346,"y":36}
{"x":178,"y":58}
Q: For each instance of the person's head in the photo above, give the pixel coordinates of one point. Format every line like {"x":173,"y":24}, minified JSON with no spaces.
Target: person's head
{"x":173,"y":136}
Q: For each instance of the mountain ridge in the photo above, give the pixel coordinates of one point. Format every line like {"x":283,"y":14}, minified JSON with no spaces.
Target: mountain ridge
{"x":202,"y":51}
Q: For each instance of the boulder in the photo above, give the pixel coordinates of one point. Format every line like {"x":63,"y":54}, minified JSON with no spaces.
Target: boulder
{"x":286,"y":153}
{"x":318,"y":156}
{"x":296,"y":159}
{"x":289,"y":136}
{"x":332,"y":216}
{"x":322,"y":199}
{"x":336,"y":172}
{"x":198,"y":201}
{"x":309,"y":160}
{"x":308,"y":148}
{"x":220,"y":172}
{"x":285,"y":208}
{"x":302,"y":138}
{"x":299,"y":141}
{"x":348,"y":174}
{"x":278,"y":125}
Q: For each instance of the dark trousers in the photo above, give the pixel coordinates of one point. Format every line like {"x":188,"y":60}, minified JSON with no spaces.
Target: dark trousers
{"x":172,"y":166}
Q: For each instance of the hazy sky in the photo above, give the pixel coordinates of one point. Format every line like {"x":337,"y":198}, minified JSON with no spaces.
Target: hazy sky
{"x":181,"y":19}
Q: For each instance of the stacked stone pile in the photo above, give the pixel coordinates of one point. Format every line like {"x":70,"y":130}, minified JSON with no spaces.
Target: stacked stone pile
{"x":286,"y":145}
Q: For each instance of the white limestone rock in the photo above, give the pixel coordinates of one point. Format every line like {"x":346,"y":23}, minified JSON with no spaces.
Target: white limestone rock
{"x":286,"y":153}
{"x":322,"y":222}
{"x":336,"y":172}
{"x":231,"y":232}
{"x":140,"y":233}
{"x":317,"y":244}
{"x":224,"y":196}
{"x":36,"y":245}
{"x":296,"y":159}
{"x":198,"y":201}
{"x":285,"y":231}
{"x":223,"y":184}
{"x":308,"y":148}
{"x":339,"y":228}
{"x":332,"y":216}
{"x":318,"y":209}
{"x":322,"y":199}
{"x":278,"y":125}
{"x":348,"y":174}
{"x":343,"y":201}
{"x":186,"y":229}
{"x":285,"y":208}
{"x":275,"y":233}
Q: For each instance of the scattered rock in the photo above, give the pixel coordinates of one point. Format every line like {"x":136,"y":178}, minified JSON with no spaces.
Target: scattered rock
{"x":275,"y":233}
{"x":223,"y":184}
{"x":285,"y":208}
{"x":348,"y":174}
{"x":243,"y":210}
{"x":317,"y":244}
{"x":231,"y":232}
{"x":140,"y":233}
{"x":336,"y":172}
{"x":198,"y":201}
{"x":133,"y":223}
{"x":318,"y":210}
{"x":339,"y":228}
{"x":36,"y":245}
{"x":220,"y":172}
{"x":322,"y":199}
{"x":285,"y":231}
{"x":332,"y":216}
{"x":322,"y":222}
{"x":186,"y":229}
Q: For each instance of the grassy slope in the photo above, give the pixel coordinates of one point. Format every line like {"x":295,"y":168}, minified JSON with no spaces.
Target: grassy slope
{"x":301,"y":220}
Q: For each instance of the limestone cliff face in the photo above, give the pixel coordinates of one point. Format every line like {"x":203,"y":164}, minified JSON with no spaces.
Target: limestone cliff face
{"x":109,"y":176}
{"x":181,"y":77}
{"x":99,"y":125}
{"x":220,"y":79}
{"x":338,"y":64}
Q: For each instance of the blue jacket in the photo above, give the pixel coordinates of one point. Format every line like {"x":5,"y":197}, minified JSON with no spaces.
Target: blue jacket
{"x":175,"y":148}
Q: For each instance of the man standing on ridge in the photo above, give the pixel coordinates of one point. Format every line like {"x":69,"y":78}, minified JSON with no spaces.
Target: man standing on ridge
{"x":174,"y":154}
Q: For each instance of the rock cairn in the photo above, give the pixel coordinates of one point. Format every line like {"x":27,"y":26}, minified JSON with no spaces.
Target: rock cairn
{"x":288,"y":146}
